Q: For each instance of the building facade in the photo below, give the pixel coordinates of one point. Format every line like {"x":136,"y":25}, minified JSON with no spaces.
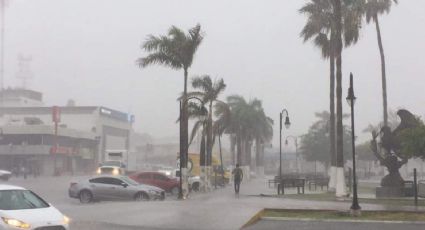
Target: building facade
{"x":56,"y":140}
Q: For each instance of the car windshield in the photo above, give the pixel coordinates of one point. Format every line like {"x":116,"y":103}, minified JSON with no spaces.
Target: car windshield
{"x":112,"y":163}
{"x":129,"y":181}
{"x":20,"y":199}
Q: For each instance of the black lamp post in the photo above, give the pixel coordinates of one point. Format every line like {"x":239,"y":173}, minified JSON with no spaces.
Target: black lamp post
{"x":351,"y":99}
{"x":287,"y":125}
{"x":296,"y":150}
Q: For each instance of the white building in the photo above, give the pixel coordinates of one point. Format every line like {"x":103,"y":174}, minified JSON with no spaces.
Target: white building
{"x":78,"y":141}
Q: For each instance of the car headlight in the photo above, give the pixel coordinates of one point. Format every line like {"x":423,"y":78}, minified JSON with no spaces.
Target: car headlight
{"x":66,"y":219}
{"x":98,"y":171}
{"x":16,"y":223}
{"x":115,"y":172}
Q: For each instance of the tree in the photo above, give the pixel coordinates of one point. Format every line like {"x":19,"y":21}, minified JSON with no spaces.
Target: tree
{"x":175,"y":50}
{"x":199,"y":113}
{"x":321,"y":28}
{"x":372,"y":10}
{"x":413,"y":141}
{"x":247,"y":121}
{"x":315,"y":144}
{"x":208,"y":92}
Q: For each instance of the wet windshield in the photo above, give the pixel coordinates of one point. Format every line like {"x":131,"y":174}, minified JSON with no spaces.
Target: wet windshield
{"x":20,"y":199}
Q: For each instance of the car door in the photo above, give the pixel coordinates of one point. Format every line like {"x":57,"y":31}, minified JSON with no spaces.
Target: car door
{"x":144,"y":178}
{"x":160,"y":181}
{"x":98,"y":186}
{"x":113,"y":188}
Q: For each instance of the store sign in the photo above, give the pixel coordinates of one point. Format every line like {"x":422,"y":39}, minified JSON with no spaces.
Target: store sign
{"x":117,"y":115}
{"x":61,"y":150}
{"x":56,"y":114}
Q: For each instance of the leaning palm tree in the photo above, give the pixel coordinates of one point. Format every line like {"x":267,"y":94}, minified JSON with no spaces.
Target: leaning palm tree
{"x":175,"y":50}
{"x":209,"y":92}
{"x":372,"y":10}
{"x":199,"y":113}
{"x":321,"y":28}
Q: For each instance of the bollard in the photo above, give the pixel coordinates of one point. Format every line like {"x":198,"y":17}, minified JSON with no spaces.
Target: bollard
{"x":278,"y":189}
{"x":415,"y":186}
{"x":215,"y":179}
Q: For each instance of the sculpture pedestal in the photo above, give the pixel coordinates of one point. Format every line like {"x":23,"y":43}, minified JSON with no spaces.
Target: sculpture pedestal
{"x":388,"y":192}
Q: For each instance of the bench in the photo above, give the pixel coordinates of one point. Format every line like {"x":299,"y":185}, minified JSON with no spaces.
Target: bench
{"x":291,"y":183}
{"x":318,"y":181}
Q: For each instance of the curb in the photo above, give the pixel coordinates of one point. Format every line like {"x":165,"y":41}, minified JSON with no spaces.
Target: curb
{"x":341,"y":221}
{"x":254,"y":219}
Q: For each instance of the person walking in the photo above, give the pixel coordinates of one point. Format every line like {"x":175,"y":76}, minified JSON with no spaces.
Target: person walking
{"x":237,"y":178}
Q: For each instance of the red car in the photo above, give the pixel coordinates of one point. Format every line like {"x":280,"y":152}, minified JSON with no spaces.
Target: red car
{"x":157,"y":179}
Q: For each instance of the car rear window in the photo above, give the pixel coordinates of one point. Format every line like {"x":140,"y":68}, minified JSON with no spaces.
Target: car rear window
{"x":20,"y":199}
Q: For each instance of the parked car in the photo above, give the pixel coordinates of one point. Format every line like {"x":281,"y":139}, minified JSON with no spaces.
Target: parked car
{"x":110,"y":170}
{"x":194,"y":181}
{"x":23,"y":209}
{"x":5,"y":175}
{"x":157,"y":179}
{"x":113,"y":188}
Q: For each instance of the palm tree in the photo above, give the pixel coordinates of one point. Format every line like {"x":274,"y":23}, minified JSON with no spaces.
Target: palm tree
{"x":208,"y":92}
{"x":248,"y":122}
{"x":372,"y":10}
{"x":175,"y":50}
{"x":321,"y":28}
{"x":199,"y":112}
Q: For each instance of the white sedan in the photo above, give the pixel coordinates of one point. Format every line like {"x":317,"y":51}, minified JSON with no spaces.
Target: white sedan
{"x":23,"y":209}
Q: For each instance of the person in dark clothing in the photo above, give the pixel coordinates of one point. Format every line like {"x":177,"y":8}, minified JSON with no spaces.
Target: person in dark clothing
{"x":237,"y":177}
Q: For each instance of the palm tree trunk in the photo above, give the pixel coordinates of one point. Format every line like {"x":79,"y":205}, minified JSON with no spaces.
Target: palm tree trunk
{"x":340,"y":179}
{"x":184,"y":137}
{"x":232,"y":148}
{"x":209,"y":136}
{"x":203,"y":162}
{"x":331,"y":126}
{"x":384,"y":78}
{"x":257,"y":152}
{"x":238,"y":149}
{"x":248,"y":153}
{"x":202,"y":151}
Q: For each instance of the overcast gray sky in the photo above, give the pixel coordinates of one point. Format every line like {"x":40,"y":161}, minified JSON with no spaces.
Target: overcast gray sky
{"x":86,"y":50}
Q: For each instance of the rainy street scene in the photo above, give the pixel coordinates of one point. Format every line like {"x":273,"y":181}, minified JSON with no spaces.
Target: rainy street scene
{"x":212,"y":115}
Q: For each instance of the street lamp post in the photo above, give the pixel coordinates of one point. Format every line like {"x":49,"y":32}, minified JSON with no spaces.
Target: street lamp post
{"x":355,"y":207}
{"x":287,"y":125}
{"x":296,"y":150}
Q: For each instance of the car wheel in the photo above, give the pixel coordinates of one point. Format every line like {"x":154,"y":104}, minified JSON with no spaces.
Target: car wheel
{"x":85,"y":197}
{"x":175,"y":190}
{"x":195,"y":187}
{"x":141,"y":196}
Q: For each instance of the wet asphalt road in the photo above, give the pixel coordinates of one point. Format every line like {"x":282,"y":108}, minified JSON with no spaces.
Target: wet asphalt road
{"x":219,"y":209}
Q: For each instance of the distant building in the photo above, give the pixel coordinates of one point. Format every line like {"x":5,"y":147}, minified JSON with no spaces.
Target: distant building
{"x":20,"y":98}
{"x":78,"y":141}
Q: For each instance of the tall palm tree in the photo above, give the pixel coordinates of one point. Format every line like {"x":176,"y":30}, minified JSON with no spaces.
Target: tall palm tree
{"x":175,"y":50}
{"x":248,"y":122}
{"x":321,"y":28}
{"x":372,"y":10}
{"x":199,"y":113}
{"x":209,"y":92}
